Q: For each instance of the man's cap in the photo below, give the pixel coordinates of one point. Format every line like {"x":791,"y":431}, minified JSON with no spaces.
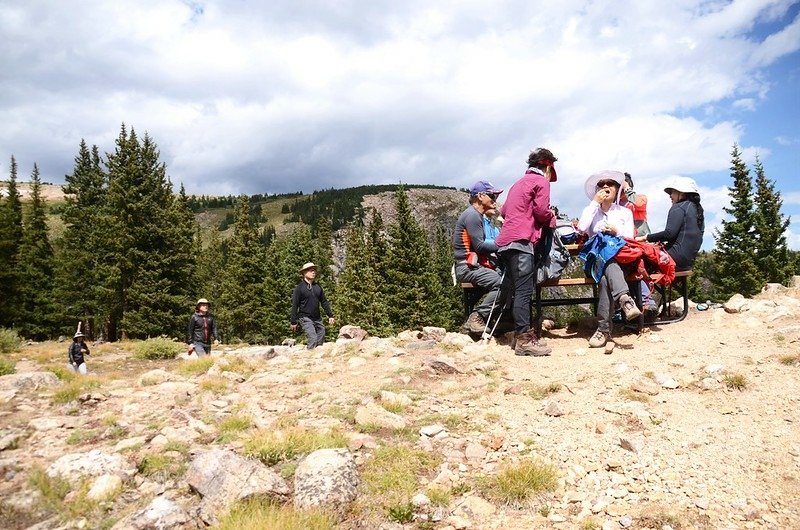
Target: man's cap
{"x":484,"y":186}
{"x":201,"y":301}
{"x":307,"y":266}
{"x":682,"y":184}
{"x":544,"y":157}
{"x":78,"y":334}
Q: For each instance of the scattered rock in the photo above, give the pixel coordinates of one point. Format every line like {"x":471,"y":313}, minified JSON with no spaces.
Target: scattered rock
{"x":222,"y":477}
{"x":431,"y":430}
{"x":645,"y":385}
{"x":105,"y":487}
{"x":156,"y":377}
{"x":326,"y":478}
{"x":631,"y":444}
{"x":398,"y":399}
{"x":161,"y":514}
{"x":737,"y":304}
{"x":421,"y":345}
{"x":94,"y":463}
{"x":28,"y":381}
{"x":372,"y":414}
{"x":433,"y":333}
{"x":443,"y":365}
{"x":553,"y":409}
{"x":352,"y":332}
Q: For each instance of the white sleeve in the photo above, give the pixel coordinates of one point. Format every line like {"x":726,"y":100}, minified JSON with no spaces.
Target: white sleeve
{"x":587,"y":220}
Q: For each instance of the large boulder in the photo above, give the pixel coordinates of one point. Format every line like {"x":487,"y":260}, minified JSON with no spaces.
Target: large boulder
{"x":326,"y":478}
{"x":222,"y":477}
{"x":28,"y":381}
{"x":94,"y":463}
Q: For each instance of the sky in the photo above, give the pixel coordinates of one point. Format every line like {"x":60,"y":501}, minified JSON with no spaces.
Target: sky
{"x":244,"y":96}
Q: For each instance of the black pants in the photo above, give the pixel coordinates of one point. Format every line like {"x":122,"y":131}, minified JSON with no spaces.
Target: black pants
{"x":517,"y":289}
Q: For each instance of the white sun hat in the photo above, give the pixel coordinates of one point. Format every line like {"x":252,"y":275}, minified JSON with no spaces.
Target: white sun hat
{"x":682,"y":184}
{"x":591,"y":183}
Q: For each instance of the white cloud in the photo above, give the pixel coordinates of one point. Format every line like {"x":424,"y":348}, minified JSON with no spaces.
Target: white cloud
{"x":276,"y":96}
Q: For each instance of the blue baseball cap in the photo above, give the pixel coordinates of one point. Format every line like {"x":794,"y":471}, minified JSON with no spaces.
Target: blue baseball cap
{"x":484,"y":186}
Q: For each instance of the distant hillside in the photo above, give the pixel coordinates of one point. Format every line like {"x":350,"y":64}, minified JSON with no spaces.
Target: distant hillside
{"x":432,"y":205}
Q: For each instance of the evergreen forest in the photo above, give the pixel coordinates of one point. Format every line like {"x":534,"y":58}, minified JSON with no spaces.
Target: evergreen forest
{"x":131,"y":258}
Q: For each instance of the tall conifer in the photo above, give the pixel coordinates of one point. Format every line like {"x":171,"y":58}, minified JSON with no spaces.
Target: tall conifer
{"x":80,"y":271}
{"x":771,"y":251}
{"x":414,"y":291}
{"x":736,"y":267}
{"x":452,"y":309}
{"x":241,"y":307}
{"x":10,"y":241}
{"x":35,"y":263}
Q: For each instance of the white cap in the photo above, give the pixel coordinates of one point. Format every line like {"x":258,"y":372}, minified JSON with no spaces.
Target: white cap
{"x":682,"y":184}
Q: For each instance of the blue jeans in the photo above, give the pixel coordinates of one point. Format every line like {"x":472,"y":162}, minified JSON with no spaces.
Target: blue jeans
{"x":202,"y":349}
{"x":314,"y":330}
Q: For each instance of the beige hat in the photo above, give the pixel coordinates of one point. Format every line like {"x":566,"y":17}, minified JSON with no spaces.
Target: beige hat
{"x":590,"y":187}
{"x":202,"y":301}
{"x":78,"y":334}
{"x":307,"y":266}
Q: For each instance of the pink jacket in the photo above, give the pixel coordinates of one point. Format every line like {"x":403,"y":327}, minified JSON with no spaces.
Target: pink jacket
{"x":526,"y":210}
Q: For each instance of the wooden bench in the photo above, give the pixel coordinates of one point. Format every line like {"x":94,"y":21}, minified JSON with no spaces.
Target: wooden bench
{"x":680,"y":284}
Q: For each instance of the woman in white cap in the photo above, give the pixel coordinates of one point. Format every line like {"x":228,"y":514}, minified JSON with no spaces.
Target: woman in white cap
{"x":306,"y":299}
{"x":604,"y":215}
{"x":683,"y":234}
{"x":77,"y":350}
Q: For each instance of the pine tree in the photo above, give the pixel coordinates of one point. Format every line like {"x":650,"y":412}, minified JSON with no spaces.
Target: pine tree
{"x":79,"y":285}
{"x":241,"y":307}
{"x":210,"y":265}
{"x":35,"y":263}
{"x":414,"y":292}
{"x":452,"y":309}
{"x":146,"y":244}
{"x":771,"y":251}
{"x":10,"y":241}
{"x":736,"y":267}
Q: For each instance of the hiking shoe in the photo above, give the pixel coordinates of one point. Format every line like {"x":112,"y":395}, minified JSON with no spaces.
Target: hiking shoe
{"x":528,"y":345}
{"x":628,"y":307}
{"x":475,"y":323}
{"x":599,"y":339}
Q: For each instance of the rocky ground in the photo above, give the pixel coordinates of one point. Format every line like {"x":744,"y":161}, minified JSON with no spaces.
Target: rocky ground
{"x":688,"y":425}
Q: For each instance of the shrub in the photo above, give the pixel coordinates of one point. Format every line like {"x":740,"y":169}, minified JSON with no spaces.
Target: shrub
{"x":64,"y":374}
{"x":52,"y":489}
{"x":158,"y":348}
{"x":520,"y":482}
{"x":735,"y":381}
{"x":7,"y":366}
{"x":9,"y":341}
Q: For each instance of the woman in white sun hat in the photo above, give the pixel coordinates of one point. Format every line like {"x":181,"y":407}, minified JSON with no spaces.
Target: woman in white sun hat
{"x":604,"y":215}
{"x":683,"y":234}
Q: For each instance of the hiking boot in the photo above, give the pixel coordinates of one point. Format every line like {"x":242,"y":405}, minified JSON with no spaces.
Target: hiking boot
{"x":475,"y":323}
{"x":628,"y":306}
{"x":528,"y":344}
{"x":599,"y":339}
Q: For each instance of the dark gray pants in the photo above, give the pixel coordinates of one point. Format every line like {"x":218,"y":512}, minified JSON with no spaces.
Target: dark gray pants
{"x":612,"y":285}
{"x":484,"y":278}
{"x":314,"y":330}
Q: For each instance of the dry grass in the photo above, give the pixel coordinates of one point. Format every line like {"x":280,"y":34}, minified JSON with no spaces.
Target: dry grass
{"x":258,"y":514}
{"x":195,"y":366}
{"x":391,"y":478}
{"x":633,"y":395}
{"x":271,"y":446}
{"x":516,"y":484}
{"x":735,"y":381}
{"x":74,"y":388}
{"x":230,"y":427}
{"x":542,"y":391}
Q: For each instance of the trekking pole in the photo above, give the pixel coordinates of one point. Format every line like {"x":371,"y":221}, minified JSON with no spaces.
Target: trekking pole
{"x":484,"y":337}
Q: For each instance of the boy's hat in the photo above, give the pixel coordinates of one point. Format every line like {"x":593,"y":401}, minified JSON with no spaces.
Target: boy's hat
{"x":484,"y":186}
{"x":307,"y":266}
{"x":78,"y":334}
{"x":201,"y":301}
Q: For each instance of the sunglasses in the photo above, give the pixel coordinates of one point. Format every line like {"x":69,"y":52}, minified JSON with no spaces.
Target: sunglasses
{"x":610,"y":183}
{"x":492,"y":196}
